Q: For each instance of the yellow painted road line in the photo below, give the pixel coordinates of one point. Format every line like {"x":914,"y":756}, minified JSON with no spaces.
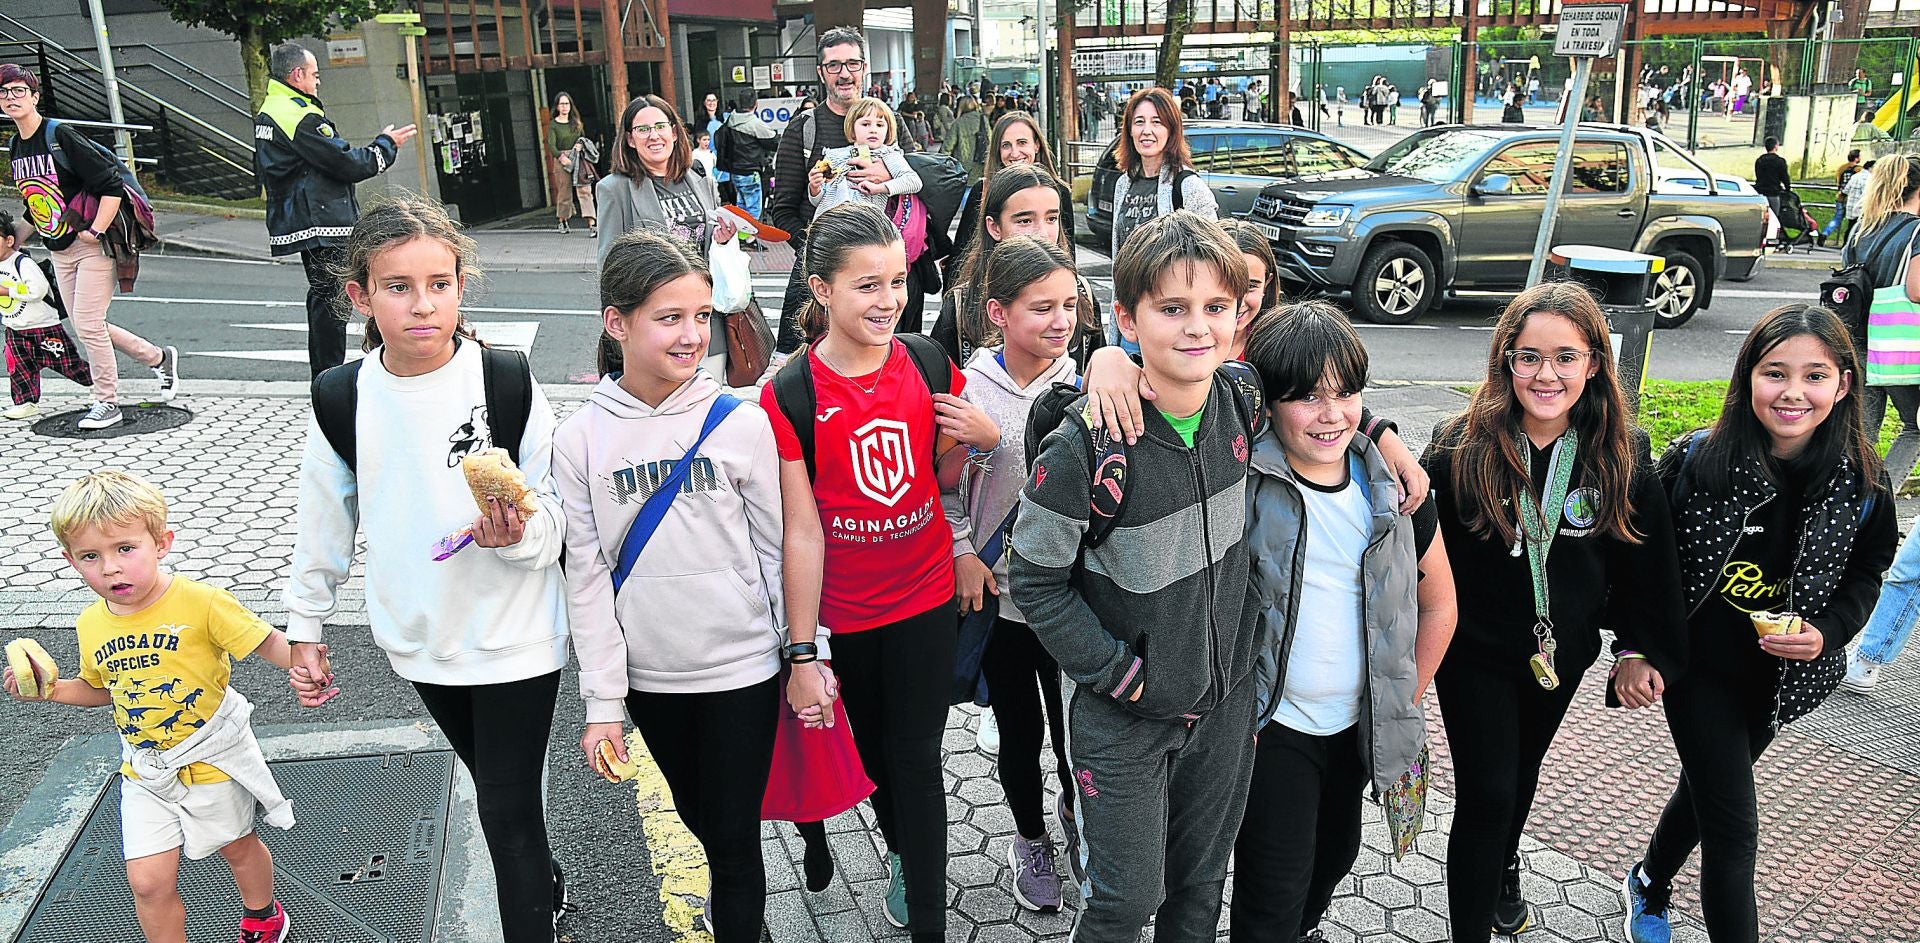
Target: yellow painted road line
{"x":678,"y":860}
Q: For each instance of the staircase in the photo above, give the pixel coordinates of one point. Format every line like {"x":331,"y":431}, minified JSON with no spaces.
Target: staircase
{"x":183,"y":152}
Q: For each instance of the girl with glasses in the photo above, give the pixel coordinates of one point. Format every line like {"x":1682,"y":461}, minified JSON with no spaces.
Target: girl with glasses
{"x":1546,"y":494}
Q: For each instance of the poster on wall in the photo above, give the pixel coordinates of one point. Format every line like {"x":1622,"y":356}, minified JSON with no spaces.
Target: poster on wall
{"x":776,"y":112}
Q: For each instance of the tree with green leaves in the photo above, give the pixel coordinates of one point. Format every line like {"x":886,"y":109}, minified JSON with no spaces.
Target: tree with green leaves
{"x":260,"y":24}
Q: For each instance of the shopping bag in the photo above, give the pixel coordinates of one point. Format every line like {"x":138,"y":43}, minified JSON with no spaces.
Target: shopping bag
{"x":816,"y":772}
{"x":1893,"y":333}
{"x":1405,"y":803}
{"x":732,"y":282}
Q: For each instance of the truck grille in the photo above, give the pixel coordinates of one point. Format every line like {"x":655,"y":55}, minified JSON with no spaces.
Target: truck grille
{"x":1267,"y":206}
{"x":1293,"y":211}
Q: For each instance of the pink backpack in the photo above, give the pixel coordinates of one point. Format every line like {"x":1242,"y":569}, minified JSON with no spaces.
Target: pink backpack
{"x":909,"y":216}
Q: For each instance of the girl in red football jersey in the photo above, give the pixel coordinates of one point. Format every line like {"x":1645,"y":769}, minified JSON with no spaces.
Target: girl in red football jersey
{"x":856,"y":417}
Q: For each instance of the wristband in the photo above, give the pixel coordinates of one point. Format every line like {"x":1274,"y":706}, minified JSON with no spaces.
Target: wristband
{"x":95,"y":233}
{"x":803,"y":660}
{"x":1626,"y":656}
{"x":801,"y":650}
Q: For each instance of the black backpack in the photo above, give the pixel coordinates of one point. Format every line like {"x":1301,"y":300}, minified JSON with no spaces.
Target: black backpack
{"x":1107,"y":472}
{"x":1849,"y":292}
{"x":52,"y":299}
{"x":509,"y":386}
{"x":793,"y":388}
{"x":1179,"y":187}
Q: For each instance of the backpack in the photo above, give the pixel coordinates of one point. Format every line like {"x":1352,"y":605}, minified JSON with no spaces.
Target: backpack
{"x":509,"y":393}
{"x":1849,"y":292}
{"x":1179,"y":190}
{"x":52,"y":298}
{"x":943,"y":185}
{"x":1107,"y":472}
{"x":793,"y":388}
{"x":909,"y":215}
{"x":136,"y":199}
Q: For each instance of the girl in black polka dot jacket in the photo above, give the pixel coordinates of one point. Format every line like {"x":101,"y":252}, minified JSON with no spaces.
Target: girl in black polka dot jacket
{"x":1780,"y":507}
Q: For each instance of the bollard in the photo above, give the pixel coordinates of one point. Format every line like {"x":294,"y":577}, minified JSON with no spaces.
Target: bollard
{"x":1621,"y":282}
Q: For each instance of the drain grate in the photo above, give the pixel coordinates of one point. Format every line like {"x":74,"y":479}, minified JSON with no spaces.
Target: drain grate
{"x":136,"y":419}
{"x":362,"y":866}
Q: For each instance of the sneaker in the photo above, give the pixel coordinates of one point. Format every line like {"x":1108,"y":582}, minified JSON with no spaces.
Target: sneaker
{"x":1510,"y":915}
{"x":1862,"y":674}
{"x":896,"y":909}
{"x":22,"y":411}
{"x":1646,"y":910}
{"x":168,"y":372}
{"x":1313,"y":936}
{"x":101,"y":416}
{"x":562,"y":904}
{"x":988,"y":736}
{"x":1036,"y":885}
{"x":1075,"y":869}
{"x":271,"y":930}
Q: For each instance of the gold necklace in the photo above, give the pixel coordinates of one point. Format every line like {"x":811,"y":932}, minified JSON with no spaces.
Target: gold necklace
{"x":849,"y":377}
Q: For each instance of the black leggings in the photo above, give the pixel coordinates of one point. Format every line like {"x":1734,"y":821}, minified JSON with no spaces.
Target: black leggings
{"x":1301,"y":833}
{"x":893,"y":688}
{"x":500,"y":732}
{"x":1014,"y":660}
{"x":715,"y":750}
{"x":1499,"y":725}
{"x":1721,"y":723}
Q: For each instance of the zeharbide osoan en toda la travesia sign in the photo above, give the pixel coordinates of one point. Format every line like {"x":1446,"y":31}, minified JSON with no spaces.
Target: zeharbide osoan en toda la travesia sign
{"x":1590,"y":30}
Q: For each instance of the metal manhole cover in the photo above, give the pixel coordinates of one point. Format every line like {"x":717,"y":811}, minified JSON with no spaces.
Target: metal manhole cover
{"x":136,"y":419}
{"x":362,"y":866}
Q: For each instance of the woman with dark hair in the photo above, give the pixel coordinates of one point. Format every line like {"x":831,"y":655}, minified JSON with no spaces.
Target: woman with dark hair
{"x":570,"y":170}
{"x":654,"y":184}
{"x":84,"y":245}
{"x":1016,"y":139}
{"x":1158,"y":175}
{"x":940,"y":119}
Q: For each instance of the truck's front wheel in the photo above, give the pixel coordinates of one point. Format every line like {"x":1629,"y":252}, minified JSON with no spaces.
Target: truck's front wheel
{"x":1395,"y":285}
{"x":1677,"y":290}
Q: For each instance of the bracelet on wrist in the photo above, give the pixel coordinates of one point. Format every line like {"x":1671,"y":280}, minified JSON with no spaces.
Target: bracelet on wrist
{"x":803,"y":660}
{"x":796,"y":651}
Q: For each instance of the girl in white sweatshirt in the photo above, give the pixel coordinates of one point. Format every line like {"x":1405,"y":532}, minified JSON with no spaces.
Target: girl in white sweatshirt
{"x":482,"y":634}
{"x":1032,"y":302}
{"x":685,"y":631}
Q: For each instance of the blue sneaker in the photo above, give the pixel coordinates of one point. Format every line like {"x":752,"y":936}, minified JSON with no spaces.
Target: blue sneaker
{"x":1646,"y":910}
{"x":896,"y":909}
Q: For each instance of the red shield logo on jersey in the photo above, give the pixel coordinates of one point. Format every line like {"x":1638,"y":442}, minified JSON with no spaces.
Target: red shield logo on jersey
{"x":883,"y":460}
{"x":1039,"y":475}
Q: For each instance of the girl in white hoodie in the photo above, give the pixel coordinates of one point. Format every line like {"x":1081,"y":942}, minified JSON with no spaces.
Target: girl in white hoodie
{"x":481,"y":634}
{"x":687,"y":635}
{"x":1032,"y":302}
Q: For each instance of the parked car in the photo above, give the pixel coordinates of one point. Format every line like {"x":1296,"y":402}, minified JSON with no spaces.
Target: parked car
{"x":1236,"y":159}
{"x":1456,"y":209}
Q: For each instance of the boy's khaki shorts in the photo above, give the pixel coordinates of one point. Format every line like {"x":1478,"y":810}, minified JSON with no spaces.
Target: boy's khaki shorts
{"x":211,"y":817}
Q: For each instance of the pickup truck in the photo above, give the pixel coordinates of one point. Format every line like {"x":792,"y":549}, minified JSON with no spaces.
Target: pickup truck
{"x":1455,"y":209}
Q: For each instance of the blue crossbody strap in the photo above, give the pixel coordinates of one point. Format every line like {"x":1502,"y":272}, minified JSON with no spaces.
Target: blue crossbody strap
{"x":990,"y":553}
{"x":655,"y":510}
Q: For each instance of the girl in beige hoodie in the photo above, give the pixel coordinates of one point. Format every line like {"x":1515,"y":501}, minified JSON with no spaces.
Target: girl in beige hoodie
{"x":689,"y":643}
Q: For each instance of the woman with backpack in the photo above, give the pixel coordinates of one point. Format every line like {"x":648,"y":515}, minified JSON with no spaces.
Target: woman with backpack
{"x":1885,"y":241}
{"x":75,"y":190}
{"x":1016,"y":139}
{"x":1157,"y":168}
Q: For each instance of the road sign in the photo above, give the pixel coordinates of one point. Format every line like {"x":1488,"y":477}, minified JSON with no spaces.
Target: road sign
{"x":1590,"y":30}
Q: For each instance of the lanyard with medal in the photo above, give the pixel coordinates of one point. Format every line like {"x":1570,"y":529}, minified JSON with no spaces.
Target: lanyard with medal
{"x":1536,"y":538}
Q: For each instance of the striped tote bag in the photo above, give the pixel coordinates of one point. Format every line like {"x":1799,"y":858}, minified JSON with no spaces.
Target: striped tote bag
{"x":1893,"y":332}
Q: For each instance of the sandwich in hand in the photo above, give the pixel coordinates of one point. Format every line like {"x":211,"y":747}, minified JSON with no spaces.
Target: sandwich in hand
{"x":34,"y":671}
{"x":491,"y":474}
{"x":1775,"y":623}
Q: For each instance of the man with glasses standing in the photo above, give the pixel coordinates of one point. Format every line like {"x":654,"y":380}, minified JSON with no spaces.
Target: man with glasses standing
{"x":308,"y":171}
{"x":842,"y":58}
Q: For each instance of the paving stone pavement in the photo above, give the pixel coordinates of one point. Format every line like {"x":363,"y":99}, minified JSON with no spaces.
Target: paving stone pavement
{"x":1840,"y":800}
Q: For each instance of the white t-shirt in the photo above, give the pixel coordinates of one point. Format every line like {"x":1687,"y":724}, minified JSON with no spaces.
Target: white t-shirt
{"x":1327,"y":666}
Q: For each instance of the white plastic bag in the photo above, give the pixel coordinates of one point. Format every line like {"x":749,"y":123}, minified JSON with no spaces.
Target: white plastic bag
{"x":732,"y":283}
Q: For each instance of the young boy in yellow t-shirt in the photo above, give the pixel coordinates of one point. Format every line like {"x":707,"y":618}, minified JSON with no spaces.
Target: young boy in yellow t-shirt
{"x":158,"y":648}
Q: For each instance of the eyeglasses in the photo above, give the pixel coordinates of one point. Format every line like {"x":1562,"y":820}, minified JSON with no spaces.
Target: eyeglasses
{"x":645,"y":129}
{"x":16,"y":91}
{"x":1526,"y":364}
{"x":851,"y":65}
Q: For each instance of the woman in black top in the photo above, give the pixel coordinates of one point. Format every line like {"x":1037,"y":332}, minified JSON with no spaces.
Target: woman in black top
{"x":1781,"y":506}
{"x":74,"y":195}
{"x":1542,"y":473}
{"x":1016,"y":139}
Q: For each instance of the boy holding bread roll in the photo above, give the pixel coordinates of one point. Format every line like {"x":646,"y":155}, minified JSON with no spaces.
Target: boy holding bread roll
{"x":157,"y":649}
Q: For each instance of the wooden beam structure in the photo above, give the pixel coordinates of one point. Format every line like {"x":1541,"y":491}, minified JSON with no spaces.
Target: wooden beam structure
{"x":471,"y":36}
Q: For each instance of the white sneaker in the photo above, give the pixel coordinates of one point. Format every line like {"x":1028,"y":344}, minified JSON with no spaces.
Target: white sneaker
{"x":168,"y":372}
{"x":1862,"y":674}
{"x":988,"y":737}
{"x":101,"y":416}
{"x":23,"y":411}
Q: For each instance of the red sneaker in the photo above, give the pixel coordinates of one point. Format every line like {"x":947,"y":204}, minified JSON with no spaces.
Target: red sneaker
{"x":271,"y":930}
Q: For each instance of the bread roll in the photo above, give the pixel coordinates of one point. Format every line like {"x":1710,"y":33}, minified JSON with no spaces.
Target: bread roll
{"x":491,"y":474}
{"x":1775,"y":623}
